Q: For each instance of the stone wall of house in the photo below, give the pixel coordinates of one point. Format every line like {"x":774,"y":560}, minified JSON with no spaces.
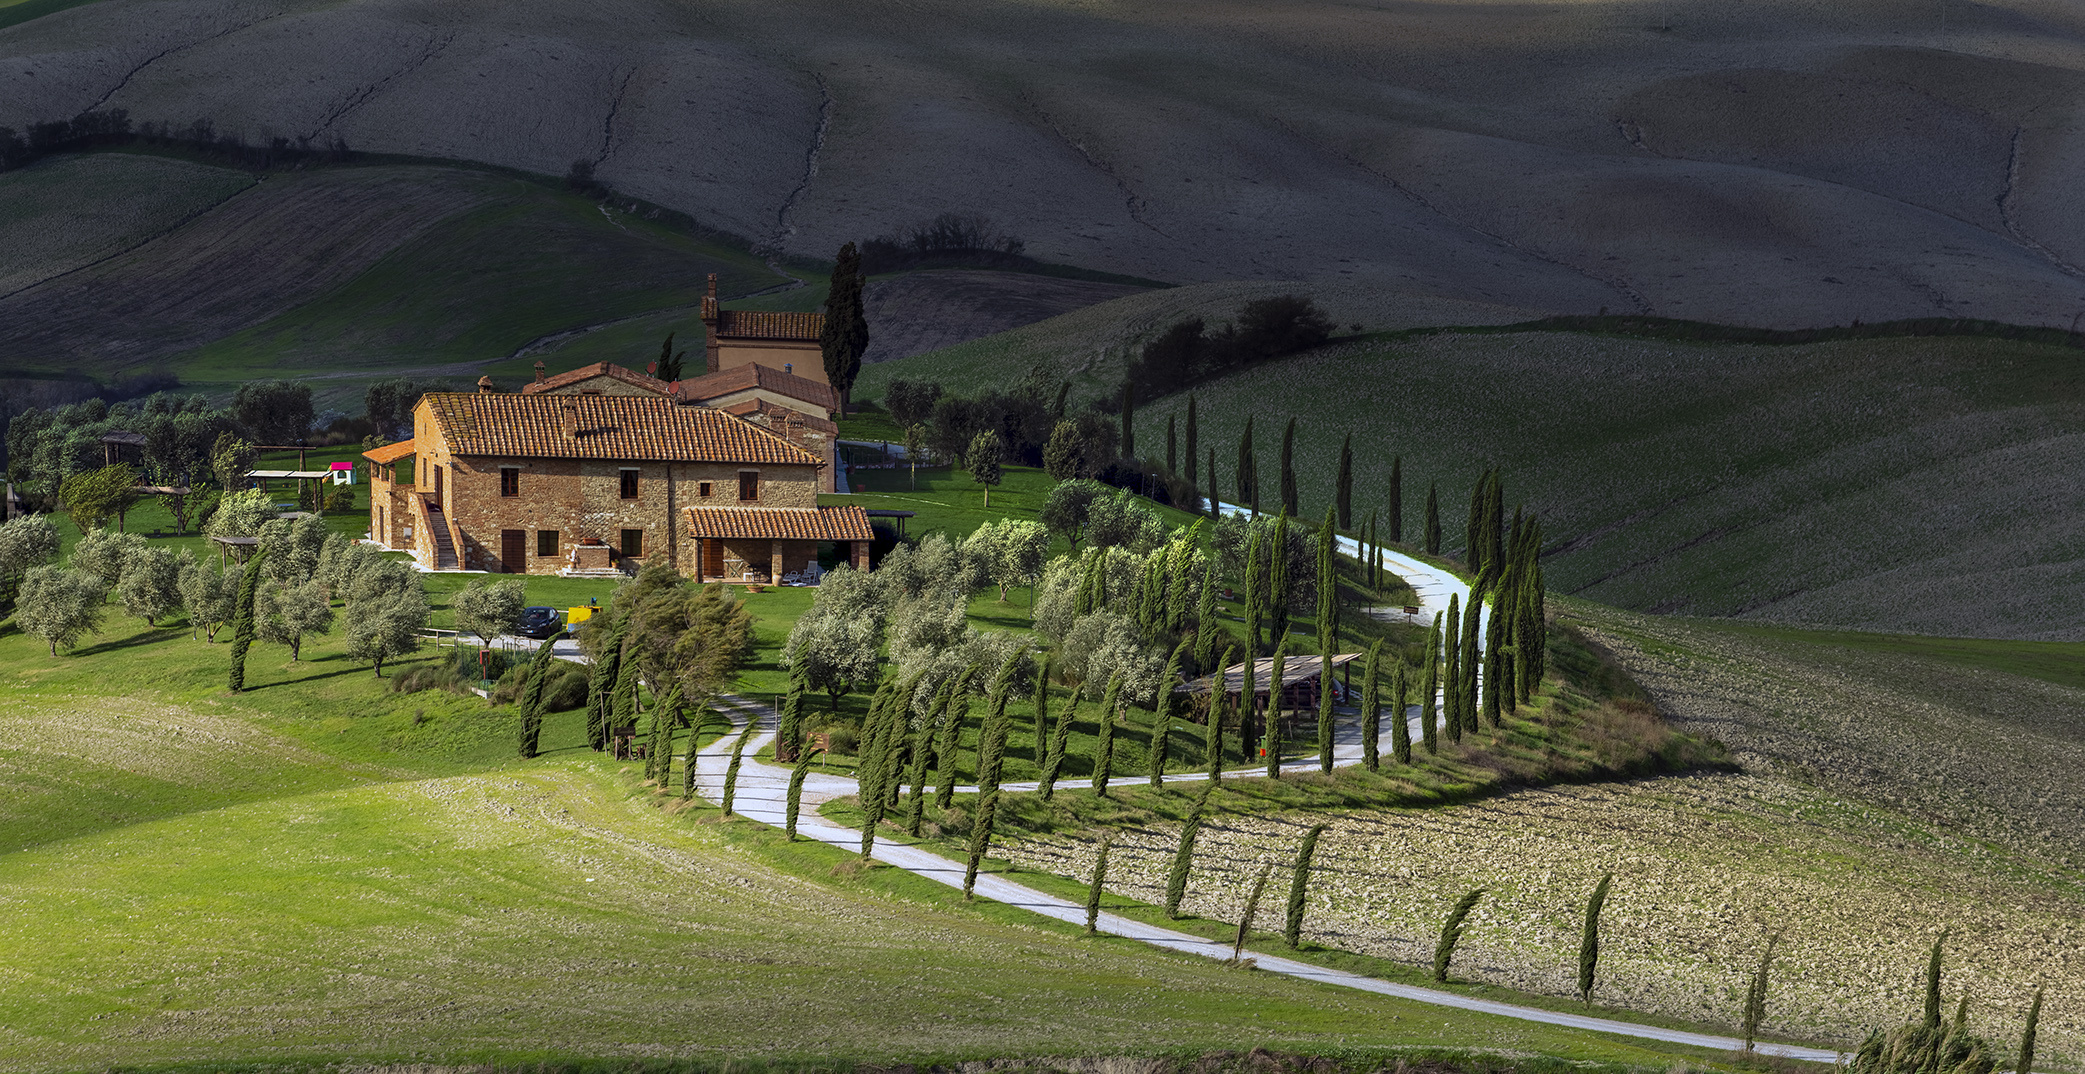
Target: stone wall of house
{"x":800,"y":357}
{"x":582,"y":498}
{"x":391,"y":516}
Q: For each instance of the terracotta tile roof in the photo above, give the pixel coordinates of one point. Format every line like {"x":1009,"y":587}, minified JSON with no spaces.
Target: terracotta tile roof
{"x":844,"y":523}
{"x":389,"y":452}
{"x":753,"y":375}
{"x":598,"y":369}
{"x":632,"y":427}
{"x":760,"y":324}
{"x":749,"y":407}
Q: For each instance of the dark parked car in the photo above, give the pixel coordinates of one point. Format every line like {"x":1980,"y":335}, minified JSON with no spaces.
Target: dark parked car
{"x":540,"y":622}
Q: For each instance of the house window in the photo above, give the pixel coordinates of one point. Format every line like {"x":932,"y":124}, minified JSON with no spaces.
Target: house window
{"x":633,"y":542}
{"x":510,"y":481}
{"x":546,"y":542}
{"x":629,"y":484}
{"x":749,"y":484}
{"x":702,"y":489}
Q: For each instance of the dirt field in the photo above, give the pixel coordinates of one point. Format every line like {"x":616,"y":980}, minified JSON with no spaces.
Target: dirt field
{"x":1775,"y":163}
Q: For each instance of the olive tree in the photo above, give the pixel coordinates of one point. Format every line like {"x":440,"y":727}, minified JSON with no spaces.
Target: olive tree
{"x":1009,"y":552}
{"x":287,"y":614}
{"x":151,"y":585}
{"x":489,"y":609}
{"x":207,"y":593}
{"x":59,"y":605}
{"x":386,"y":610}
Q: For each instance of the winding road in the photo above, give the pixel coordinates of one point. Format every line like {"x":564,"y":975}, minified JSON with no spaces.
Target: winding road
{"x":762,"y":790}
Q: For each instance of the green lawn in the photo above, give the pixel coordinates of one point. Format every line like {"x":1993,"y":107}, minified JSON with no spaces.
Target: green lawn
{"x":321,"y":871}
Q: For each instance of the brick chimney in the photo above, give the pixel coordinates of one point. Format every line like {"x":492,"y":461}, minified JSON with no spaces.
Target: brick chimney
{"x":539,"y":370}
{"x":711,"y":318}
{"x":568,"y":421}
{"x":485,"y":386}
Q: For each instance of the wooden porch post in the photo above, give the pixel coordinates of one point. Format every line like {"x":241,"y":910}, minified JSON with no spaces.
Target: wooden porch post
{"x":698,"y":558}
{"x":774,"y":569}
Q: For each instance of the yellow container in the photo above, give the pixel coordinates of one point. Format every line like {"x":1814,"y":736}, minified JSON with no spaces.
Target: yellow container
{"x":576,"y":616}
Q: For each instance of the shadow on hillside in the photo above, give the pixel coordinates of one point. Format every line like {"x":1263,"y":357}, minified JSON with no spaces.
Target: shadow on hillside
{"x":334,"y":674}
{"x":143,"y":637}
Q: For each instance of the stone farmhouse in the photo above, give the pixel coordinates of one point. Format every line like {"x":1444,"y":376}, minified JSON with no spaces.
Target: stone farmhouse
{"x":783,"y":341}
{"x":600,"y":480}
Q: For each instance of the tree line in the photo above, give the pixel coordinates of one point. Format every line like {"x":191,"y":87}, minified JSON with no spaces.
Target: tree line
{"x":102,"y":128}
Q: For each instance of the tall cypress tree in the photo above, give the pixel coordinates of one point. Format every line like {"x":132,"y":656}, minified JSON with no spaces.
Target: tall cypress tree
{"x":1251,"y":911}
{"x":1328,"y":585}
{"x":1397,"y":499}
{"x":950,"y":741}
{"x":1371,"y":700}
{"x":1042,"y":711}
{"x":1755,"y":993}
{"x":1255,"y":590}
{"x":1129,"y":421}
{"x":1219,"y":693}
{"x":1278,"y":584}
{"x":1183,"y":860}
{"x":1248,"y":472}
{"x":796,"y":790}
{"x":1472,"y":619}
{"x":1288,"y":469}
{"x":694,"y":749}
{"x":922,"y":748}
{"x":1400,"y":727}
{"x":243,"y":627}
{"x":1375,"y":554}
{"x":1589,"y":943}
{"x":1172,"y":448}
{"x":1344,"y":492}
{"x":1206,"y":628}
{"x":738,"y":757}
{"x":1451,"y":696}
{"x":1474,"y":544}
{"x":1100,"y":878}
{"x":1299,"y":884}
{"x":1272,"y":744}
{"x":1429,"y":691}
{"x":980,"y":839}
{"x":991,"y":743}
{"x":845,"y":334}
{"x":532,"y":700}
{"x":1060,"y":742}
{"x":1451,"y":933}
{"x":600,"y":686}
{"x":1162,"y":716}
{"x":1933,"y":982}
{"x":1433,"y":520}
{"x":1215,"y":501}
{"x":789,"y":731}
{"x":1325,"y":711}
{"x":2034,"y":1018}
{"x":1193,"y":451}
{"x":623,"y":709}
{"x":1104,"y":744}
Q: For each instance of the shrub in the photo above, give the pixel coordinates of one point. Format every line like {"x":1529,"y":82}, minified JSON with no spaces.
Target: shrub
{"x":566,"y":688}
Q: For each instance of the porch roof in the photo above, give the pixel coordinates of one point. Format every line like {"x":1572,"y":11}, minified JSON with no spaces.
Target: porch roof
{"x":843,"y":523}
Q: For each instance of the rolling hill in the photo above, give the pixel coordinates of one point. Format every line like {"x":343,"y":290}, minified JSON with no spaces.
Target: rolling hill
{"x":1774,"y":163}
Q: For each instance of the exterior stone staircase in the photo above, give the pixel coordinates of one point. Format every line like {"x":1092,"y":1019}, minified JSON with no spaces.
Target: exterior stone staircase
{"x":444,"y":547}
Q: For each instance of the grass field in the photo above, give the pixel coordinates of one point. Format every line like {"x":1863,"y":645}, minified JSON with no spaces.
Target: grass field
{"x":319,"y":871}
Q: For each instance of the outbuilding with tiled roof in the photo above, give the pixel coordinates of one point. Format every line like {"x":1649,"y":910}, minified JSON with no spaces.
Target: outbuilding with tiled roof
{"x":784,"y":341}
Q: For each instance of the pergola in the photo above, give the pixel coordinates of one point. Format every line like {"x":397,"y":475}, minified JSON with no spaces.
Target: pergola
{"x":1301,"y":678}
{"x":244,"y":547}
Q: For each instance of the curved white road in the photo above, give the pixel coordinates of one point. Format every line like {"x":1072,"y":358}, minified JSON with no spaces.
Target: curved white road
{"x":762,"y":794}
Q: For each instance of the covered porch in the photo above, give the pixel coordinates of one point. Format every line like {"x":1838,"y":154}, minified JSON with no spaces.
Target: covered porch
{"x":773,"y":545}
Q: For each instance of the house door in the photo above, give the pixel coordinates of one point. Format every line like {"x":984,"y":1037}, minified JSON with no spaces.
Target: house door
{"x":514,"y":551}
{"x":437,"y":484}
{"x":713,"y":556}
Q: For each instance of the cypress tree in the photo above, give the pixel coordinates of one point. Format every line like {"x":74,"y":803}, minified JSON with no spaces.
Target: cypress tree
{"x":1255,"y":588}
{"x":1755,"y":993}
{"x":1104,"y":745}
{"x":1451,"y":933}
{"x":789,"y":731}
{"x":1288,"y":469}
{"x":1100,"y":877}
{"x":1278,"y":583}
{"x":600,"y":687}
{"x":1589,"y":943}
{"x":1183,"y":860}
{"x":869,"y":766}
{"x":1933,"y":983}
{"x":1328,"y":585}
{"x":1396,"y":499}
{"x":1248,"y":479}
{"x":1272,"y":744}
{"x":980,"y":839}
{"x":622,"y":710}
{"x":738,"y":757}
{"x":1042,"y":711}
{"x":796,"y":789}
{"x":1215,"y":502}
{"x":1400,"y":727}
{"x":845,"y":334}
{"x":1060,"y":742}
{"x":1494,"y":517}
{"x":1371,"y":700}
{"x":1172,"y":448}
{"x":1433,"y":519}
{"x":242,"y":619}
{"x":922,"y":746}
{"x":1345,"y":490}
{"x":951,"y":740}
{"x":991,"y":743}
{"x":1299,"y":884}
{"x":1429,"y":691}
{"x":2034,"y":1017}
{"x":1162,"y":716}
{"x":1451,"y":648}
{"x":1472,"y":618}
{"x":1193,"y":478}
{"x":1212,"y":732}
{"x":695,"y":725}
{"x":1206,"y":628}
{"x":1375,"y":555}
{"x":1325,"y":711}
{"x":1252,"y":910}
{"x":1494,"y":664}
{"x":532,"y":700}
